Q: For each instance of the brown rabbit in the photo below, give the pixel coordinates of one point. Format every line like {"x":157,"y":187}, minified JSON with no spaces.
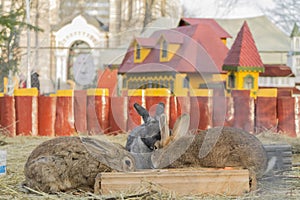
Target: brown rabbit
{"x":216,"y":147}
{"x":65,"y":163}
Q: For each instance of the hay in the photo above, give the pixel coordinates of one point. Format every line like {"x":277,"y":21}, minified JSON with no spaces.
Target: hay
{"x":18,"y":149}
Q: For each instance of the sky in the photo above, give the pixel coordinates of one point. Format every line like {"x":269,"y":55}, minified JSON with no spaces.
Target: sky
{"x":221,"y":9}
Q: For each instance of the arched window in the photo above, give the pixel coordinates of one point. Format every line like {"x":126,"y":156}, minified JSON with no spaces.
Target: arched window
{"x":138,"y":52}
{"x":164,"y":49}
{"x":231,"y":81}
{"x":248,"y":82}
{"x":186,"y":82}
{"x":78,"y":47}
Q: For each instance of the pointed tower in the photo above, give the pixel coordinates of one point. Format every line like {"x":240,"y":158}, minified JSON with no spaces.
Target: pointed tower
{"x":243,"y":63}
{"x":294,"y":54}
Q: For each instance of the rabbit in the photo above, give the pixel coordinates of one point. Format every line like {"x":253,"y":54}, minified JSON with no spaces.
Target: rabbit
{"x":142,"y":140}
{"x":65,"y":163}
{"x":217,"y":147}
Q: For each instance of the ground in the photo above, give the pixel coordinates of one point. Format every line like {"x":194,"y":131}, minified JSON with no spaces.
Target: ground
{"x":283,"y":185}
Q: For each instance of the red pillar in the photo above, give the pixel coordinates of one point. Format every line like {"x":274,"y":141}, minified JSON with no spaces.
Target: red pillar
{"x":286,"y":115}
{"x":64,"y":121}
{"x":26,"y":111}
{"x":8,"y":117}
{"x":266,"y":110}
{"x":243,"y":110}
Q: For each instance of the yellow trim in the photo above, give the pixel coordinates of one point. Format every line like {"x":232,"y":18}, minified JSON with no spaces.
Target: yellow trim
{"x":267,"y":92}
{"x":158,"y":92}
{"x":137,"y":92}
{"x":26,"y":92}
{"x":98,"y":92}
{"x":202,"y":92}
{"x":1,"y":94}
{"x":63,"y":93}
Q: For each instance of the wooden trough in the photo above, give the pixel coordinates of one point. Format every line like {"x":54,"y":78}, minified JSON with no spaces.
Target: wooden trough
{"x":188,"y":181}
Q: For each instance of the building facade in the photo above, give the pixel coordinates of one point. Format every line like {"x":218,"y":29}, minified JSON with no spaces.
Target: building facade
{"x":100,"y":29}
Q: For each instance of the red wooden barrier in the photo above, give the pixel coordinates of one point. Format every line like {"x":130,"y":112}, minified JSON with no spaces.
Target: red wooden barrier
{"x":98,"y":110}
{"x":266,"y":110}
{"x":8,"y":117}
{"x":26,"y":111}
{"x":46,"y":115}
{"x":64,"y":121}
{"x":297,"y":116}
{"x":286,"y":115}
{"x":118,"y":114}
{"x":80,"y":113}
{"x":135,"y":96}
{"x":243,"y":110}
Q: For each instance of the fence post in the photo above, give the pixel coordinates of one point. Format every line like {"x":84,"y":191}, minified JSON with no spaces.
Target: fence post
{"x":243,"y":110}
{"x":8,"y":116}
{"x":266,"y":110}
{"x":286,"y":115}
{"x":64,"y":121}
{"x":26,"y":111}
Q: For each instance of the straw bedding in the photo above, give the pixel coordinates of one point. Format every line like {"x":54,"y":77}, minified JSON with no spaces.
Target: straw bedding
{"x":283,"y":185}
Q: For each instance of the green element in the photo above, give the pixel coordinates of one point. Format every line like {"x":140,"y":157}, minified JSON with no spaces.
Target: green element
{"x":295,"y":32}
{"x":245,"y":69}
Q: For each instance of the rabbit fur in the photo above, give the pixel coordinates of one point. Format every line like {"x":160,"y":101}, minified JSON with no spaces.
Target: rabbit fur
{"x":142,"y":140}
{"x":216,"y":147}
{"x":65,"y":163}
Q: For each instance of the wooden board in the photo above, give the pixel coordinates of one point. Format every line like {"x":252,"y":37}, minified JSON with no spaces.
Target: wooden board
{"x":180,"y":181}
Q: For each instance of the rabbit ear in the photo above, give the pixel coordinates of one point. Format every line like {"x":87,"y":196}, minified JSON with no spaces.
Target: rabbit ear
{"x":142,"y":112}
{"x":164,"y":131}
{"x":164,"y":157}
{"x":181,"y":126}
{"x":95,"y":147}
{"x":160,"y":109}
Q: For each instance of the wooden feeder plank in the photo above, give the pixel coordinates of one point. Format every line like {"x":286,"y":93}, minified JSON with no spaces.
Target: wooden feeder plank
{"x":180,"y":181}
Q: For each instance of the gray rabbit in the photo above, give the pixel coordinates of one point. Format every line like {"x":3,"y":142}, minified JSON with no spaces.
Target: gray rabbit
{"x":65,"y":163}
{"x":216,"y":147}
{"x":142,"y":140}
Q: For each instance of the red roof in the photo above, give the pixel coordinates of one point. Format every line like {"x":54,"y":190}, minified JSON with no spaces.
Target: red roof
{"x":211,"y":22}
{"x":201,"y":50}
{"x":277,"y":71}
{"x":243,"y":52}
{"x":146,"y":42}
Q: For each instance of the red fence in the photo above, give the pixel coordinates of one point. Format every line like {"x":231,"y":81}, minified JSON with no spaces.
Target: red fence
{"x":94,"y":112}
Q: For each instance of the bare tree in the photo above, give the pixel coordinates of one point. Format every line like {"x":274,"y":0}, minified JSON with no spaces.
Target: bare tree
{"x":285,"y":14}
